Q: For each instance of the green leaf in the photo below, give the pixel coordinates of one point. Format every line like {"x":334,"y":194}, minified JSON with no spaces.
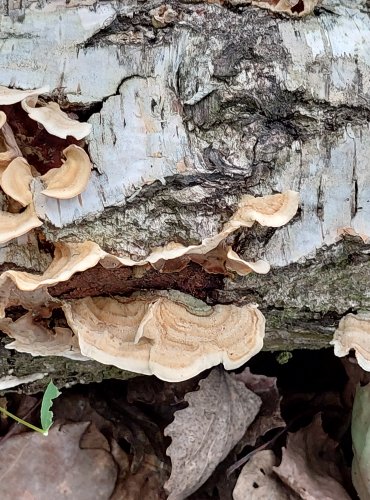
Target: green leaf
{"x":361,"y":442}
{"x":51,"y":393}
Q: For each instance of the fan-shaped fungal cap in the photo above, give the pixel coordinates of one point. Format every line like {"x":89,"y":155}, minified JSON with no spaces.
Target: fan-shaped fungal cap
{"x":353,"y":332}
{"x":106,"y":329}
{"x":243,"y":267}
{"x":16,"y":179}
{"x":227,"y":334}
{"x":10,"y":295}
{"x":71,"y":178}
{"x":165,"y":338}
{"x":68,"y":259}
{"x":218,"y":261}
{"x":55,"y":121}
{"x":295,"y":8}
{"x":8,"y":146}
{"x":2,"y":118}
{"x":273,"y":210}
{"x":14,"y":225}
{"x":11,"y":96}
{"x":36,"y":339}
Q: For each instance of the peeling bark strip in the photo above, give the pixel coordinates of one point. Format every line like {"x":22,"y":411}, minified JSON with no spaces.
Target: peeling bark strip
{"x":192,"y":107}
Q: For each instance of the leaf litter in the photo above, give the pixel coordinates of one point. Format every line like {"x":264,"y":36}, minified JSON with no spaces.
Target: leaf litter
{"x":309,"y":464}
{"x":261,"y":433}
{"x":219,"y":413}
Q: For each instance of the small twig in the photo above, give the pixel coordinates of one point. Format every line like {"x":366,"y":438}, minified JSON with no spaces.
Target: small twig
{"x":247,"y":457}
{"x":12,"y":430}
{"x":23,"y":422}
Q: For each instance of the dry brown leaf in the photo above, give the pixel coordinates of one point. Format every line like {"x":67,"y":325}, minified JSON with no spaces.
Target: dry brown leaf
{"x":257,"y":480}
{"x":163,"y":397}
{"x":269,"y":416}
{"x":146,"y":483}
{"x":206,"y":431}
{"x":310,"y":464}
{"x":114,"y":419}
{"x":56,"y":467}
{"x":138,"y":477}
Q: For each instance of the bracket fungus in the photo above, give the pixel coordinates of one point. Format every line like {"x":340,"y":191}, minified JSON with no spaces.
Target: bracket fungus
{"x":71,"y":178}
{"x":273,"y":210}
{"x":70,"y":258}
{"x":16,"y":179}
{"x":11,"y":295}
{"x":12,"y":96}
{"x":353,"y":332}
{"x":295,"y":8}
{"x":162,"y":337}
{"x":8,"y":146}
{"x":242,"y":267}
{"x":217,"y":261}
{"x":16,"y":174}
{"x":36,"y":339}
{"x":54,"y":120}
{"x":165,"y":335}
{"x":163,"y":15}
{"x":14,"y":225}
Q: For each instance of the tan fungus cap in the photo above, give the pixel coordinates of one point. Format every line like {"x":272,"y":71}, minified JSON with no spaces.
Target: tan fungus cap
{"x":163,"y":337}
{"x":71,"y":178}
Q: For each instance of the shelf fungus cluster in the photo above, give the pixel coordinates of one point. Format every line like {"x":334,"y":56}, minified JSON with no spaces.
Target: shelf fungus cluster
{"x":174,"y":339}
{"x":169,"y":334}
{"x":353,"y":333}
{"x":163,"y":337}
{"x":17,"y":176}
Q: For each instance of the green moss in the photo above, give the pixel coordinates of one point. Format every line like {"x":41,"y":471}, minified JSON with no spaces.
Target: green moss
{"x":283,"y":357}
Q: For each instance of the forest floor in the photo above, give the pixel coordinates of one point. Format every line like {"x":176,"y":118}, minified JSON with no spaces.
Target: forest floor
{"x":279,"y":429}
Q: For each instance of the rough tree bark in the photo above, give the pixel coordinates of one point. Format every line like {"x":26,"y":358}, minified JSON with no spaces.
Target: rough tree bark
{"x":222,"y":101}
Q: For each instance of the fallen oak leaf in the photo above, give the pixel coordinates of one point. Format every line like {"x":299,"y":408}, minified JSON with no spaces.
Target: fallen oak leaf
{"x":206,"y":431}
{"x":310,"y":464}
